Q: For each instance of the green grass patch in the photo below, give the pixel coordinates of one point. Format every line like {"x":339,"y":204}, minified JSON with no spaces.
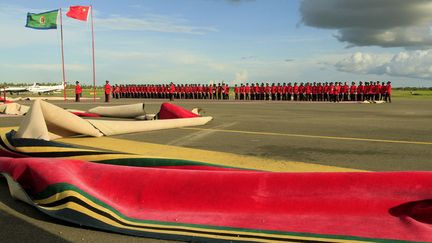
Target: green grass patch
{"x":415,"y":94}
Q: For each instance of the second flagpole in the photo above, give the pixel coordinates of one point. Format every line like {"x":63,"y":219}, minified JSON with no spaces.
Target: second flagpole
{"x":93,"y":56}
{"x":62,"y":51}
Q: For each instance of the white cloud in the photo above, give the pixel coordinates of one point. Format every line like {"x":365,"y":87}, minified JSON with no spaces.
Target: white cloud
{"x":241,"y":76}
{"x":386,"y":23}
{"x":154,"y":23}
{"x":412,"y":64}
{"x":362,"y":62}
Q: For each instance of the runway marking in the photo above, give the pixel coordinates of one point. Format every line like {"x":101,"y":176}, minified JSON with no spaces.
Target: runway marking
{"x":309,"y":136}
{"x":184,"y":140}
{"x":212,"y":157}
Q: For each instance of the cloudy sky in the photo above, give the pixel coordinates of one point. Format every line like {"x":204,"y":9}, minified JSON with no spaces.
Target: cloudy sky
{"x":150,"y":41}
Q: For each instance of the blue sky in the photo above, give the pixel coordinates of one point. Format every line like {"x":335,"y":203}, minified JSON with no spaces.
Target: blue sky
{"x":210,"y":40}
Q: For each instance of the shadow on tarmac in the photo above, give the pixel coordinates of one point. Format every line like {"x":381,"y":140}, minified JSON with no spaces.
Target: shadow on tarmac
{"x":15,"y":229}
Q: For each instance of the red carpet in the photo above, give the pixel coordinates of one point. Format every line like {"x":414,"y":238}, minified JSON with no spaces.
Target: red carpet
{"x":188,"y":200}
{"x":5,"y":101}
{"x":171,"y":111}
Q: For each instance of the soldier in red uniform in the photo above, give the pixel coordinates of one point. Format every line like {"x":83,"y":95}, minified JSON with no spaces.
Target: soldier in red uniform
{"x":116,"y":91}
{"x":205,"y":91}
{"x":219,"y":91}
{"x":314,"y":92}
{"x":337,"y":91}
{"x":284,"y":91}
{"x":242,"y":92}
{"x":200,"y":91}
{"x":326,"y":90}
{"x":236,"y":92}
{"x":187,"y":91}
{"x":122,"y":91}
{"x":360,"y":91}
{"x":308,"y":92}
{"x":279,"y":91}
{"x":78,"y":92}
{"x":247,"y":91}
{"x":273,"y":91}
{"x":267,"y":91}
{"x":262,"y":91}
{"x":353,"y":91}
{"x":141,"y":90}
{"x":296,"y":92}
{"x":345,"y":91}
{"x":388,"y":92}
{"x":210,"y":91}
{"x":302,"y":92}
{"x":372,"y":90}
{"x":127,"y":91}
{"x":171,"y":91}
{"x":177,"y":91}
{"x":320,"y":92}
{"x":378,"y":91}
{"x":289,"y":92}
{"x":366,"y":91}
{"x":383,"y":91}
{"x":331,"y":92}
{"x":227,"y":92}
{"x":107,"y":89}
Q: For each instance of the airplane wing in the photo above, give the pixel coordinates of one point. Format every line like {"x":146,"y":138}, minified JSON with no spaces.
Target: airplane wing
{"x":14,"y":89}
{"x":45,"y":89}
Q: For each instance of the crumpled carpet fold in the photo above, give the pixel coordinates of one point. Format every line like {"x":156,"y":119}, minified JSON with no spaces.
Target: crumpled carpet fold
{"x":188,"y":200}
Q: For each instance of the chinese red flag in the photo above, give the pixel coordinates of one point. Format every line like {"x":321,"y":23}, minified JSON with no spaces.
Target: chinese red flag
{"x":78,"y":12}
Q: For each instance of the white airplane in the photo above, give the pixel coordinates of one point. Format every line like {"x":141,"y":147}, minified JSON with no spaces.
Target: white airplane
{"x":36,"y":88}
{"x":12,"y":90}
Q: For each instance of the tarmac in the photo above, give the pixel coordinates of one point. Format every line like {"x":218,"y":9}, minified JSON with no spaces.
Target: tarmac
{"x":265,"y":135}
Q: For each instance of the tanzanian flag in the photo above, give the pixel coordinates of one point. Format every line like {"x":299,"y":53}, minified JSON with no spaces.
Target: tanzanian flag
{"x":43,"y":21}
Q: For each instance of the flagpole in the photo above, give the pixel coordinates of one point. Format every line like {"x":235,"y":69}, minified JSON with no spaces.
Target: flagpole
{"x":93,"y":56}
{"x":62,"y":51}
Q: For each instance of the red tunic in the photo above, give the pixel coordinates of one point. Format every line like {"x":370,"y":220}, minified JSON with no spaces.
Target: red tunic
{"x":314,"y":89}
{"x":331,"y":89}
{"x":345,"y":89}
{"x":337,"y":90}
{"x":296,"y":89}
{"x":78,"y":89}
{"x":107,"y":88}
{"x":273,"y":89}
{"x":389,"y":89}
{"x":290,"y":89}
{"x":308,"y":89}
{"x":301,"y":89}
